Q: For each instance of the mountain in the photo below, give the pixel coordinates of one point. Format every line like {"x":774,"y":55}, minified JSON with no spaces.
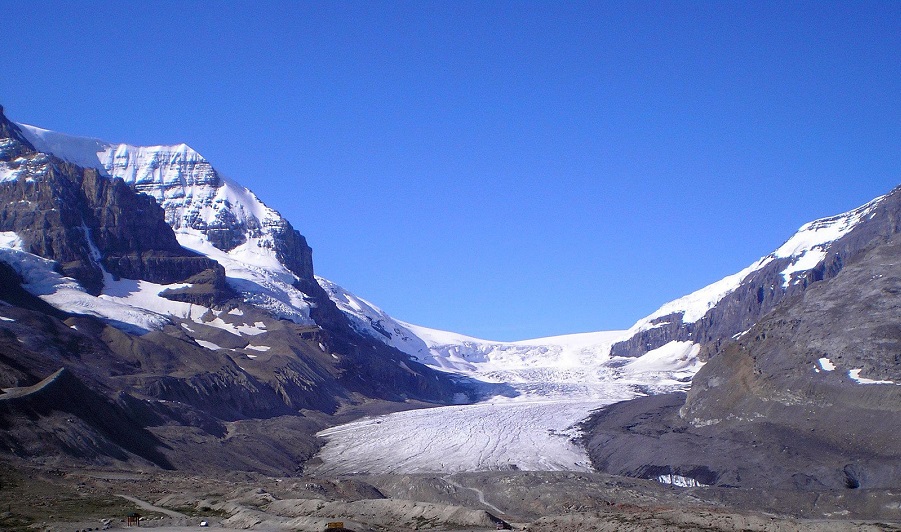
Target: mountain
{"x":807,"y":399}
{"x":185,"y":304}
{"x":193,"y":309}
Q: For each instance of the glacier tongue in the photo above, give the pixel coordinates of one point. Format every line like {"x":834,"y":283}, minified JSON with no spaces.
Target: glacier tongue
{"x":554,"y":383}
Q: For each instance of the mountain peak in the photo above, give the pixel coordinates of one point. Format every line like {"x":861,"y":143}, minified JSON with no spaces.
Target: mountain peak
{"x":12,"y":142}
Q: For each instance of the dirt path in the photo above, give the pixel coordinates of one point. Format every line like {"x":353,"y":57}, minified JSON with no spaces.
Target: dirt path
{"x":151,"y":508}
{"x":479,"y":492}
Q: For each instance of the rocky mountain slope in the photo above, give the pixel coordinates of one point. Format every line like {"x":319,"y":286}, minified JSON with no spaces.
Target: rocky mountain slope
{"x":186,"y":306}
{"x":808,"y":398}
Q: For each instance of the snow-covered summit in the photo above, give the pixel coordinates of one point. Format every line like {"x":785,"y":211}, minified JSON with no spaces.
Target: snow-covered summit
{"x":210,"y":214}
{"x":804,"y":251}
{"x":193,"y":194}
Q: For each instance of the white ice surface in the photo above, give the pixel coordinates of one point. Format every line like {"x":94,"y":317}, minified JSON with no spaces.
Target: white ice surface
{"x":854,"y":374}
{"x":532,"y":436}
{"x":679,"y":480}
{"x":826,"y":364}
{"x":208,"y":345}
{"x":261,"y":348}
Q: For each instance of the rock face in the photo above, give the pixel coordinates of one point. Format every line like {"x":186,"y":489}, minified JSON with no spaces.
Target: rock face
{"x":195,"y":197}
{"x":84,"y":221}
{"x":809,"y":398}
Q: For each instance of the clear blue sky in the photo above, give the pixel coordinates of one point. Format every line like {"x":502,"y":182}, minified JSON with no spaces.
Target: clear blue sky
{"x":501,"y":169}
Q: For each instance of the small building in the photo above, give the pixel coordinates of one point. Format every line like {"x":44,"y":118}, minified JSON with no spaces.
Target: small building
{"x":133,"y":519}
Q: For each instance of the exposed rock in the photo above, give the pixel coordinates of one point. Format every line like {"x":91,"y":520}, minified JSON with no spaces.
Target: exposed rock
{"x":85,"y":221}
{"x":784,"y":406}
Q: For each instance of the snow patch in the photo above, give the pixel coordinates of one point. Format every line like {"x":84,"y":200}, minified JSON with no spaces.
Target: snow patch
{"x":262,"y":348}
{"x":854,"y":374}
{"x":680,"y":481}
{"x":208,"y":345}
{"x":236,"y":329}
{"x":826,"y":364}
{"x":10,"y":240}
{"x":808,"y":247}
{"x":739,"y":335}
{"x":66,"y":294}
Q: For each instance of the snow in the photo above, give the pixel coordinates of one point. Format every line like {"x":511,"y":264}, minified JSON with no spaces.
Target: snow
{"x":208,"y":345}
{"x":695,"y":305}
{"x":9,"y":172}
{"x":79,"y":150}
{"x":680,"y":481}
{"x":530,"y":436}
{"x":670,"y":365}
{"x":807,"y":260}
{"x":145,"y":295}
{"x":739,"y":335}
{"x":255,"y":272}
{"x":854,"y":374}
{"x":374,"y":322}
{"x":238,"y":329}
{"x":808,"y":247}
{"x":553,"y":383}
{"x":195,"y":197}
{"x":10,"y":240}
{"x":33,"y":166}
{"x":557,"y":382}
{"x":262,"y":348}
{"x":826,"y":364}
{"x":130,"y":304}
{"x":66,"y":294}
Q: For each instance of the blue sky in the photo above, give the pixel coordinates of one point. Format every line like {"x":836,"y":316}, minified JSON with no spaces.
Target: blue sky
{"x":502,"y":169}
